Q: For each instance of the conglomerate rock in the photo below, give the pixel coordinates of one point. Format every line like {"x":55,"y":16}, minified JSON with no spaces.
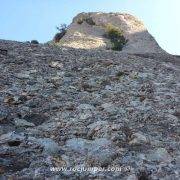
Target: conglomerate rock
{"x":74,"y":108}
{"x":87,"y":31}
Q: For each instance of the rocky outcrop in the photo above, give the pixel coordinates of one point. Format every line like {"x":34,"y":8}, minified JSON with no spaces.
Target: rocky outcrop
{"x":106,"y":114}
{"x":80,"y":111}
{"x":87,"y":32}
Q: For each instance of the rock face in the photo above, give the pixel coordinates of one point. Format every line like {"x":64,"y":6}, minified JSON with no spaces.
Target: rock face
{"x":114,"y":114}
{"x":87,"y":32}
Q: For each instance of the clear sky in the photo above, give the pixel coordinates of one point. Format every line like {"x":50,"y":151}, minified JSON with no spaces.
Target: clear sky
{"x":24,"y":20}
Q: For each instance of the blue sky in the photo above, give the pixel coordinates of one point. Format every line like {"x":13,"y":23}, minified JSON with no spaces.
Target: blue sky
{"x":24,"y":20}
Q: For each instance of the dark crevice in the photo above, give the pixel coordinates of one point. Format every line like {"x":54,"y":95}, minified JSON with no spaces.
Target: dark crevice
{"x":14,"y":143}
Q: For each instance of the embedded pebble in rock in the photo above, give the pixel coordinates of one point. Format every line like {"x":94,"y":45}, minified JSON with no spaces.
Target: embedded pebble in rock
{"x":37,"y":119}
{"x":50,"y":147}
{"x":22,"y":123}
{"x":132,"y":177}
{"x":101,"y":129}
{"x":11,"y":136}
{"x":110,"y":108}
{"x":85,"y":111}
{"x":84,"y":116}
{"x":159,"y":155}
{"x":85,"y":107}
{"x":178,"y":161}
{"x":73,"y":107}
{"x":78,"y":145}
{"x":102,"y":152}
{"x":56,"y":64}
{"x":99,"y":151}
{"x":97,"y":125}
{"x":23,"y":75}
{"x":15,"y":100}
{"x":49,"y":126}
{"x":3,"y":113}
{"x":138,"y":139}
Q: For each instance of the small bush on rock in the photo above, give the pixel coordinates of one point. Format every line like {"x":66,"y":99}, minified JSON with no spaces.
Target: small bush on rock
{"x":116,"y":37}
{"x":62,"y":31}
{"x":88,"y":20}
{"x":34,"y":42}
{"x":80,"y":21}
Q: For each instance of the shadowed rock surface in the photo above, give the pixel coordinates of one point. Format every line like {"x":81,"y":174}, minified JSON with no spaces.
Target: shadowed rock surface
{"x":67,"y":107}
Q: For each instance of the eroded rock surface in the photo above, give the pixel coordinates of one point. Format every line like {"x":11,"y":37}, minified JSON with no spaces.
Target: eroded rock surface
{"x":64,"y":107}
{"x":88,"y":29}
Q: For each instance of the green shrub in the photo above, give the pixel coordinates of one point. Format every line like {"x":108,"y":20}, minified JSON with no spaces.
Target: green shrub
{"x":80,"y":21}
{"x":88,"y":20}
{"x":116,"y":37}
{"x":62,"y":31}
{"x":34,"y":42}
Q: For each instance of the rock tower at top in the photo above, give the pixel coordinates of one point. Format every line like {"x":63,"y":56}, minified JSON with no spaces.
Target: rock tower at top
{"x":87,"y":32}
